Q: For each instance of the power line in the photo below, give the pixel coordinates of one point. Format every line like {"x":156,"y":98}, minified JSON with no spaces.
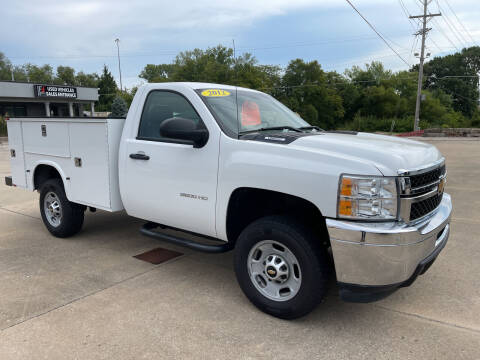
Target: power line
{"x":414,"y":45}
{"x":451,"y":26}
{"x":89,"y":56}
{"x":407,"y":14}
{"x":439,"y":28}
{"x":435,"y":43}
{"x":280,"y":46}
{"x":376,"y":32}
{"x":461,"y":96}
{"x":393,"y":77}
{"x":369,"y":59}
{"x":175,"y":52}
{"x":461,"y":24}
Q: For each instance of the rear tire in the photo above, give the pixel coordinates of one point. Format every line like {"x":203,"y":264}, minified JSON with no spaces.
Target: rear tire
{"x":281,"y":266}
{"x":61,"y":217}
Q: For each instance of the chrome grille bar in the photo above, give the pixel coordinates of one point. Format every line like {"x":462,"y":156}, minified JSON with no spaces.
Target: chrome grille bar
{"x":421,"y":191}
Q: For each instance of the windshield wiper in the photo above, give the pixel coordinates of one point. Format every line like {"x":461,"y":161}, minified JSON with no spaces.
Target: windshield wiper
{"x":311,"y":128}
{"x":271,"y":128}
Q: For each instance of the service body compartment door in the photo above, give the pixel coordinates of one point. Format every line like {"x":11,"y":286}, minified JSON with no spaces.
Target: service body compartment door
{"x":17,"y":158}
{"x":89,"y":170}
{"x":47,"y":137}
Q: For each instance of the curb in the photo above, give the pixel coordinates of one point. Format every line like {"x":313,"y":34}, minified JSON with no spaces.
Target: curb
{"x":440,"y":138}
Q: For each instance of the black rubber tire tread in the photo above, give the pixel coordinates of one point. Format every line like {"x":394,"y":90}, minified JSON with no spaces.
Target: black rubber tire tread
{"x":72,"y":214}
{"x":308,"y":250}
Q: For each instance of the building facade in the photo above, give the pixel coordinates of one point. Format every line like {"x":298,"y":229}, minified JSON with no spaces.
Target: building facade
{"x":19,"y":99}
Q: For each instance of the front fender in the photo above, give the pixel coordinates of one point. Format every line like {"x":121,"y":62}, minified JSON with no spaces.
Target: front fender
{"x":306,"y":173}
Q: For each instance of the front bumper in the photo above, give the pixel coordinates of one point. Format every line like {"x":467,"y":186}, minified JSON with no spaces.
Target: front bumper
{"x":374,"y":259}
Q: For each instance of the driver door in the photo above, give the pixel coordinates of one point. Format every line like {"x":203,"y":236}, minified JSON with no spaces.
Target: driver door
{"x":169,"y":181}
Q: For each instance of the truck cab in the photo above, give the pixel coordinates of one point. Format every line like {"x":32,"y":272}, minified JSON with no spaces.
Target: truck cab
{"x":238,"y":168}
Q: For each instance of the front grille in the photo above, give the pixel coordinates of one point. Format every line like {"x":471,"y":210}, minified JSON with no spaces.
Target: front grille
{"x":417,"y":181}
{"x":424,"y":207}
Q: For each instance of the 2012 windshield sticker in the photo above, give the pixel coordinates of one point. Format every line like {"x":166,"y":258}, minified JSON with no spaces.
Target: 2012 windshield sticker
{"x":215,"y":93}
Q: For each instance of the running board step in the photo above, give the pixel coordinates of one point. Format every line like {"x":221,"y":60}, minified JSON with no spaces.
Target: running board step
{"x":148,"y":230}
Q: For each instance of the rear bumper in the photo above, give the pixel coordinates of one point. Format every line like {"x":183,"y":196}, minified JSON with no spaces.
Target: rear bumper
{"x":374,"y":259}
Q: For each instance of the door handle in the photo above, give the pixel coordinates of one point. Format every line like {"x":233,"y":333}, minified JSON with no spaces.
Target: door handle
{"x":138,"y":156}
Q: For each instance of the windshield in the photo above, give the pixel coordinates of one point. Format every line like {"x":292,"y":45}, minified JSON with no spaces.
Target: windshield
{"x":240,"y":111}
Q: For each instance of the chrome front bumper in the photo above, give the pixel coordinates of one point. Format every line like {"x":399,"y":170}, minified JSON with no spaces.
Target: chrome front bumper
{"x":382,"y":254}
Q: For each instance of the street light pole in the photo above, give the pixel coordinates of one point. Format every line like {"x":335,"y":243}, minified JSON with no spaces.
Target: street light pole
{"x":119,"y":66}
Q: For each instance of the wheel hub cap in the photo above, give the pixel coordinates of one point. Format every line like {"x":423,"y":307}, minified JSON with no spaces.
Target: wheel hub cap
{"x":274,"y":270}
{"x":52,"y":209}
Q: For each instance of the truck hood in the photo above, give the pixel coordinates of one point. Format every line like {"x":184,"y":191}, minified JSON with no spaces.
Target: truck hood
{"x":387,"y":153}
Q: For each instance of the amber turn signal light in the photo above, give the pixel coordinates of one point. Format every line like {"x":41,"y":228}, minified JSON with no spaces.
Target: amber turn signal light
{"x":346,"y":187}
{"x":345,"y":207}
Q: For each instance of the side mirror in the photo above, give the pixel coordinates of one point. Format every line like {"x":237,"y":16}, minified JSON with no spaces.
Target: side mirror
{"x":184,"y":129}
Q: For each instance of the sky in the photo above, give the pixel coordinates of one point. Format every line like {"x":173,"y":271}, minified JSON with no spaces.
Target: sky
{"x":82,"y":34}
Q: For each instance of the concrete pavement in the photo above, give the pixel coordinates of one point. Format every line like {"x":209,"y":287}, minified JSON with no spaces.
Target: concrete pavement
{"x":87,"y":298}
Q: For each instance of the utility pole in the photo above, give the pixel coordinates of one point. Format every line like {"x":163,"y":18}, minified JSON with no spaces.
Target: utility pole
{"x":425,"y":17}
{"x":119,"y":67}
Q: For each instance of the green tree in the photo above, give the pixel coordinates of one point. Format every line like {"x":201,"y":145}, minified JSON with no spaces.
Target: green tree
{"x":348,"y":91}
{"x":107,"y":90}
{"x":456,"y":75}
{"x":306,"y":87}
{"x":5,"y":68}
{"x":158,"y":73}
{"x":310,"y":114}
{"x":215,"y":65}
{"x":211,"y":65}
{"x":88,"y":80}
{"x":3,"y":126}
{"x":65,"y":76}
{"x":128,"y":95}
{"x":380,"y":101}
{"x":39,"y":74}
{"x":119,"y":108}
{"x":373,"y":74}
{"x":19,"y":73}
{"x":247,"y":73}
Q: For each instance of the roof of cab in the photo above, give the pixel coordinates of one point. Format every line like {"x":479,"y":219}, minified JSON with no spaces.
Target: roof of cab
{"x":196,"y":85}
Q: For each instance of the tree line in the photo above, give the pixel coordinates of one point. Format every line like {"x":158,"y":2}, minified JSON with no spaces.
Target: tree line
{"x":368,"y":98}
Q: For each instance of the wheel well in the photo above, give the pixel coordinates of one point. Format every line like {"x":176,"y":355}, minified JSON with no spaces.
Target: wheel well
{"x":44,"y":173}
{"x":249,"y":204}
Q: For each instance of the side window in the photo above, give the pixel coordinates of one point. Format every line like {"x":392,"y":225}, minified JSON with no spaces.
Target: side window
{"x":160,"y":106}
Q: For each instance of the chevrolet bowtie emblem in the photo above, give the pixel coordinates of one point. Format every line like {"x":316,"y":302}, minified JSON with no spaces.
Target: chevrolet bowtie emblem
{"x":441,"y":186}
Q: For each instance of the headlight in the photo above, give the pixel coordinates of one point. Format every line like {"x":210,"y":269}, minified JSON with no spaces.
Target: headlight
{"x":367,"y":198}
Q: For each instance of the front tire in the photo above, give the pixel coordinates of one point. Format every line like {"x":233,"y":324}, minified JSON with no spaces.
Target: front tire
{"x":61,"y":217}
{"x":281,"y":266}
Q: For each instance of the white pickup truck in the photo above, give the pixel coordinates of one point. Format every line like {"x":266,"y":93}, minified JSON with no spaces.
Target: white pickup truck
{"x":241,"y":170}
